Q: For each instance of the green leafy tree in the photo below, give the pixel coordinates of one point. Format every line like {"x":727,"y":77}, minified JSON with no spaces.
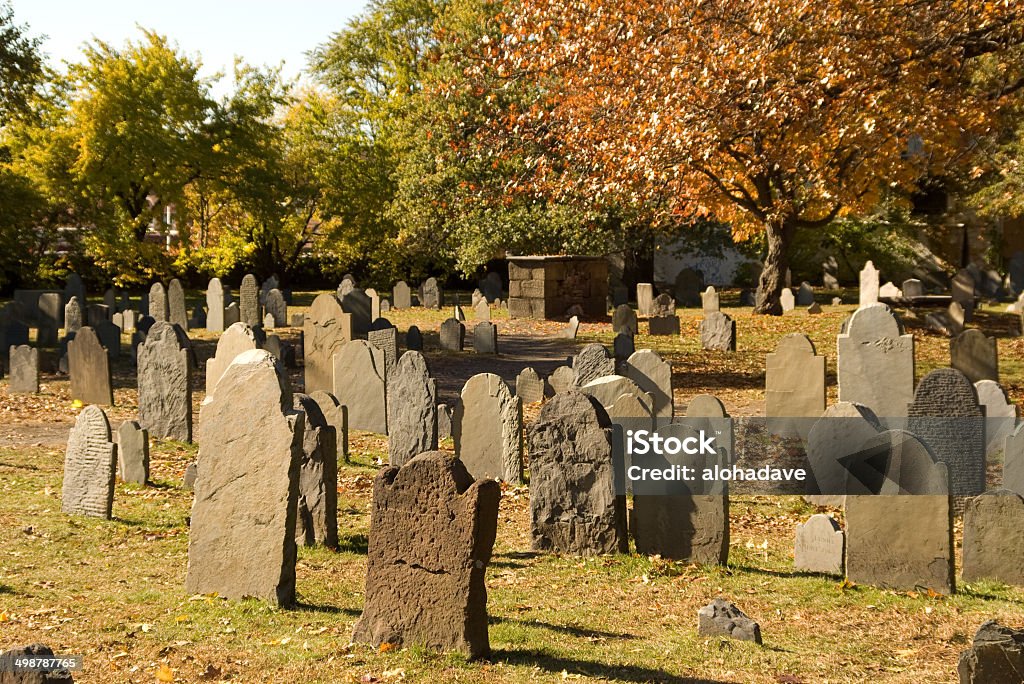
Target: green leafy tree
{"x":21,"y":67}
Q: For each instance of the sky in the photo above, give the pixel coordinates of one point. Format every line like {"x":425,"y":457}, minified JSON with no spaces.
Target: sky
{"x":262,"y":32}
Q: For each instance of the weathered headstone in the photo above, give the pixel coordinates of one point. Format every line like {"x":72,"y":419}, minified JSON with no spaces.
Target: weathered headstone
{"x":358,"y":305}
{"x":786,"y":300}
{"x":133,"y":453}
{"x":794,"y":386}
{"x":326,"y":330}
{"x":663,"y":305}
{"x":412,"y":411}
{"x":277,"y":308}
{"x":232,"y":315}
{"x":430,"y":294}
{"x":890,"y":291}
{"x":653,"y":375}
{"x":452,"y":335}
{"x":177,"y":311}
{"x":805,"y":295}
{"x":975,"y":355}
{"x":482,"y":310}
{"x":572,"y":329}
{"x":316,"y":520}
{"x":573,"y":504}
{"x":159,"y":307}
{"x":663,"y":325}
{"x":384,"y":336}
{"x":530,"y":387}
{"x":485,"y":338}
{"x":688,"y":285}
{"x":24,"y":369}
{"x":444,"y":422}
{"x":346,"y":285}
{"x":645,"y":299}
{"x":360,"y":382}
{"x":413,"y":339}
{"x":458,"y":314}
{"x":912,"y":287}
{"x":249,"y":309}
{"x":591,"y":363}
{"x":89,"y":368}
{"x":73,"y":317}
{"x":242,"y":535}
{"x":432,"y":529}
{"x":401,"y":295}
{"x":1000,"y":415}
{"x":876,"y":362}
{"x":336,"y":416}
{"x":239,"y":337}
{"x":718,"y":332}
{"x":723,"y":618}
{"x":89,"y":464}
{"x":819,"y":546}
{"x":624,"y":320}
{"x":562,"y":379}
{"x":710,"y":301}
{"x":165,"y":387}
{"x":996,"y":655}
{"x":994,"y":538}
{"x":487,"y":428}
{"x":868,"y":285}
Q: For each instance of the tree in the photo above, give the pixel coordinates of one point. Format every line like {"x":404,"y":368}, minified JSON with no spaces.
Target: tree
{"x":775,"y":116}
{"x":21,"y":67}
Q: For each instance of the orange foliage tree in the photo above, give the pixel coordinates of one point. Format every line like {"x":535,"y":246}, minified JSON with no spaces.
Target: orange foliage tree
{"x":775,"y":116}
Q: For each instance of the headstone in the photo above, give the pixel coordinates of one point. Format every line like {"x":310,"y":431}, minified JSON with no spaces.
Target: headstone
{"x":358,"y":305}
{"x":482,"y":311}
{"x":89,"y":368}
{"x":232,"y":315}
{"x":688,"y":285}
{"x":794,"y":386}
{"x":819,"y":546}
{"x":412,"y":411}
{"x":238,"y":338}
{"x":663,"y":325}
{"x":413,"y":339}
{"x":49,"y":670}
{"x":530,"y":387}
{"x":336,"y":416}
{"x":805,"y":295}
{"x":830,"y":271}
{"x":994,"y":538}
{"x":562,"y":379}
{"x":430,"y":294}
{"x":996,"y":655}
{"x":242,"y":534}
{"x":346,"y":286}
{"x":165,"y":387}
{"x":198,"y":318}
{"x":51,"y":317}
{"x":128,"y":320}
{"x":890,"y":291}
{"x":487,"y":428}
{"x":723,"y":618}
{"x":277,"y":308}
{"x":360,"y":381}
{"x":316,"y":520}
{"x":663,"y":305}
{"x":432,"y":530}
{"x":177,"y":311}
{"x":326,"y":331}
{"x":444,"y":422}
{"x":452,"y":335}
{"x":619,"y":296}
{"x":876,"y":362}
{"x":458,"y":314}
{"x":592,"y":362}
{"x":912,"y":287}
{"x":266,"y":286}
{"x":706,"y":406}
{"x":1000,"y":415}
{"x":975,"y":355}
{"x":814,"y":309}
{"x":89,"y":464}
{"x":963,"y":292}
{"x":384,"y":336}
{"x":787,"y":300}
{"x":710,"y":300}
{"x":110,"y":337}
{"x":159,"y":307}
{"x":835,"y":441}
{"x":653,"y":375}
{"x":946,"y":416}
{"x":385,"y":306}
{"x":573,"y":504}
{"x":24,"y":369}
{"x":645,"y":299}
{"x":868,"y":285}
{"x":74,"y":287}
{"x":837,"y":301}
{"x":624,"y":320}
{"x":72,"y":316}
{"x":718,"y":332}
{"x":133,"y":453}
{"x":249,"y":310}
{"x":485,"y":338}
{"x":401,"y":295}
{"x":572,"y":329}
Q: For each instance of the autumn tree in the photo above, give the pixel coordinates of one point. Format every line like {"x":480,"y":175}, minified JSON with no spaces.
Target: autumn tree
{"x":775,"y":116}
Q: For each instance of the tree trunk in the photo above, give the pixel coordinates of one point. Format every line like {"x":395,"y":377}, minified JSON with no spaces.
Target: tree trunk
{"x":776,"y":263}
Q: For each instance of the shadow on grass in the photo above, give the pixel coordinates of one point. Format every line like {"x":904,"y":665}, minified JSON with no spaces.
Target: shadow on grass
{"x":572,"y":630}
{"x":785,"y":574}
{"x":589,"y":668}
{"x":330,"y":610}
{"x":356,"y":543}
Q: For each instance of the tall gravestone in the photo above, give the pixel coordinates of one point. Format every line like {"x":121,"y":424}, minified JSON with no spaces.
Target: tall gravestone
{"x":591,"y":363}
{"x":242,"y":534}
{"x":653,"y":375}
{"x":51,"y":317}
{"x":277,"y":307}
{"x":432,"y":529}
{"x":487,"y":428}
{"x":384,"y":336}
{"x":177,"y":310}
{"x":89,"y":466}
{"x":645,"y":299}
{"x":794,"y":386}
{"x":239,"y":337}
{"x":945,"y":415}
{"x":360,"y":382}
{"x":975,"y":355}
{"x":24,"y":369}
{"x":326,"y":330}
{"x":249,"y":310}
{"x":358,"y":305}
{"x":336,"y":416}
{"x":430,"y":294}
{"x":412,"y":411}
{"x":573,"y":503}
{"x":401,"y":295}
{"x":165,"y":386}
{"x":876,"y":362}
{"x":868,"y":285}
{"x":159,"y":307}
{"x":73,"y":317}
{"x":133,"y":453}
{"x":216,"y":302}
{"x":994,"y":538}
{"x":316,"y":520}
{"x":718,"y":332}
{"x":89,"y":368}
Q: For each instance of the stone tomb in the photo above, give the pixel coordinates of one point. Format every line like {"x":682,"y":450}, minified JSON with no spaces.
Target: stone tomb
{"x":326,"y":330}
{"x":975,"y":355}
{"x":574,"y":508}
{"x":316,"y":520}
{"x":819,"y":546}
{"x":89,"y":368}
{"x":165,"y":386}
{"x":876,"y":362}
{"x":487,"y":428}
{"x":432,"y":530}
{"x":994,"y":538}
{"x":242,"y":535}
{"x":547,"y":287}
{"x":89,"y":465}
{"x":360,"y":382}
{"x":412,"y":411}
{"x":133,"y":453}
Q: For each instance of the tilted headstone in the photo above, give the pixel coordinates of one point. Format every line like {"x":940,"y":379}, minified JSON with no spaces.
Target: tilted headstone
{"x":452,"y":335}
{"x":458,"y":314}
{"x":360,"y":381}
{"x":819,"y":546}
{"x":786,"y":300}
{"x":530,"y":386}
{"x":73,"y":317}
{"x":89,"y":464}
{"x":242,"y":534}
{"x":24,"y":369}
{"x":814,"y":309}
{"x":487,"y":428}
{"x":962,"y":287}
{"x":1000,"y":415}
{"x":975,"y":355}
{"x":159,"y":307}
{"x":663,"y":325}
{"x":868,"y":285}
{"x":573,"y":504}
{"x":177,"y":311}
{"x":996,"y":655}
{"x":945,"y":415}
{"x":401,"y":295}
{"x":805,"y":295}
{"x":316,"y":521}
{"x":89,"y":368}
{"x":718,"y":332}
{"x":414,"y":339}
{"x":653,"y":375}
{"x":277,"y":308}
{"x":249,"y":309}
{"x":238,"y":338}
{"x":876,"y":362}
{"x":357,"y":304}
{"x":645,"y":299}
{"x":794,"y":386}
{"x":336,"y":416}
{"x":326,"y":330}
{"x":165,"y":387}
{"x":412,"y":411}
{"x":384,"y":336}
{"x":432,"y":530}
{"x":624,"y":320}
{"x":912,"y":287}
{"x":485,"y":338}
{"x":591,"y":363}
{"x":994,"y":538}
{"x":133,"y":453}
{"x":430,"y":294}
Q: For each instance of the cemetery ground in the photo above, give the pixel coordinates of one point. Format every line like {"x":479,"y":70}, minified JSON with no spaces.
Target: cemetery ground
{"x":113,"y":591}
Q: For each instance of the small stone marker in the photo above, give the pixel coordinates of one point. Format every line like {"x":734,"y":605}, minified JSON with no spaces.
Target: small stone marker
{"x":819,"y":546}
{"x":360,"y":383}
{"x":787,"y":300}
{"x":432,"y":530}
{"x":177,"y":312}
{"x":242,"y":535}
{"x":238,"y":338}
{"x":453,"y":335}
{"x":624,"y":320}
{"x":336,"y":416}
{"x":723,"y":618}
{"x":89,"y":464}
{"x":592,"y":362}
{"x":24,"y":369}
{"x":975,"y":355}
{"x":573,"y":504}
{"x":996,"y":655}
{"x":876,"y":362}
{"x":133,"y":453}
{"x":412,"y":411}
{"x":159,"y":309}
{"x":794,"y":386}
{"x":994,"y":538}
{"x":414,"y":339}
{"x":645,"y":299}
{"x":868,"y":285}
{"x":401,"y":295}
{"x":912,"y":287}
{"x":485,"y":338}
{"x":326,"y":330}
{"x":530,"y":387}
{"x":249,"y":309}
{"x":165,"y":386}
{"x":444,"y":422}
{"x":718,"y":332}
{"x":316,"y":521}
{"x":652,"y":375}
{"x":89,"y":368}
{"x":487,"y":428}
{"x":215,"y":303}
